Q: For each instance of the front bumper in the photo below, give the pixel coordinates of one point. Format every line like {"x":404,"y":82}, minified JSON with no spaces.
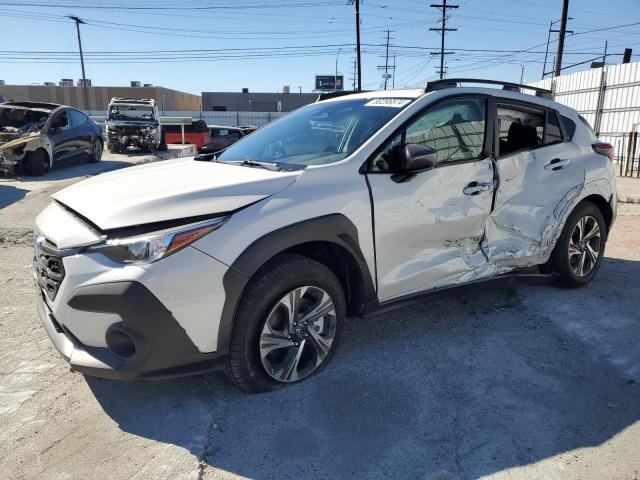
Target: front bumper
{"x":147,"y":344}
{"x":7,"y":166}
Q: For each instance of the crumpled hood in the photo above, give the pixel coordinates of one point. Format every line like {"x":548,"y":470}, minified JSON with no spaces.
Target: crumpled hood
{"x":11,"y":140}
{"x":170,"y":190}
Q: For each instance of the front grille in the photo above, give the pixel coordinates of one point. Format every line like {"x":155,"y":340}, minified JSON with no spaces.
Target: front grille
{"x":48,"y":267}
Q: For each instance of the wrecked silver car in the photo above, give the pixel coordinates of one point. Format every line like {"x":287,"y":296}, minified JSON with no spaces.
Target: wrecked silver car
{"x":34,"y":136}
{"x":132,"y":122}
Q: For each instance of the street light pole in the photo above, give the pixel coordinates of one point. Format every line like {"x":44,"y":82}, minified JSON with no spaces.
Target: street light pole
{"x":84,"y":78}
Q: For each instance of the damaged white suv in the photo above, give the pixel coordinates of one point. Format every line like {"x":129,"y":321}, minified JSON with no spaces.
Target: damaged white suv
{"x":251,"y":261}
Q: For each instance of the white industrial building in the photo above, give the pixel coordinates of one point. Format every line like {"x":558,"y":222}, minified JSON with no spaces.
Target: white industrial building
{"x":608,"y":98}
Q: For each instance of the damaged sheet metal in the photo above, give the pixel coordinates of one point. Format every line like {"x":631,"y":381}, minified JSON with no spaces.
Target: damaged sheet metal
{"x":524,"y":225}
{"x":23,"y":130}
{"x":429,"y":234}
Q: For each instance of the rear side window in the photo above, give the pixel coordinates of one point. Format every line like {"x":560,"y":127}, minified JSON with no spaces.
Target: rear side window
{"x":524,"y":127}
{"x":569,"y":126}
{"x":552,"y":132}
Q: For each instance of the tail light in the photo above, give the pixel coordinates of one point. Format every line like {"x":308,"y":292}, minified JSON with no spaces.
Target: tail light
{"x":603,"y":148}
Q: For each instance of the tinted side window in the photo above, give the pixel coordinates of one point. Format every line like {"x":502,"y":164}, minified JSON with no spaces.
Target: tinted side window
{"x":569,"y":126}
{"x":61,"y":120}
{"x":388,"y":159}
{"x":454,"y":128}
{"x":552,"y":132}
{"x":77,"y":118}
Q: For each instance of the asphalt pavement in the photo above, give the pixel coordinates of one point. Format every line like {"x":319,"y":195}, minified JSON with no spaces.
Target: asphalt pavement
{"x":510,"y":379}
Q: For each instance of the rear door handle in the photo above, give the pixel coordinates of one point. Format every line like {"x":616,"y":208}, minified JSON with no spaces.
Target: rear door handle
{"x":474,"y":188}
{"x":557,"y":164}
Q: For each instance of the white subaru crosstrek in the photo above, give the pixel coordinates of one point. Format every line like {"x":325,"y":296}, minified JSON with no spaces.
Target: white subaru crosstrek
{"x":250,"y":261}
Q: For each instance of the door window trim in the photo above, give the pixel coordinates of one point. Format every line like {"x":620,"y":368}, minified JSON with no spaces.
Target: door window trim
{"x":487,"y":147}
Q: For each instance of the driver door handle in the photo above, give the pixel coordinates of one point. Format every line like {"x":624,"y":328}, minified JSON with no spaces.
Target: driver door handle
{"x":557,"y":164}
{"x":474,"y":188}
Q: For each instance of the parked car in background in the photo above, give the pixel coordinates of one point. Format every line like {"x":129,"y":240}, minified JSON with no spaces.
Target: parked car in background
{"x":197,"y":134}
{"x":222,"y":137}
{"x":36,"y":136}
{"x":253,"y":261}
{"x":132,"y":122}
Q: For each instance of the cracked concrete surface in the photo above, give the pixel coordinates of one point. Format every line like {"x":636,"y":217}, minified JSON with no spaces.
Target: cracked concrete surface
{"x":510,"y":379}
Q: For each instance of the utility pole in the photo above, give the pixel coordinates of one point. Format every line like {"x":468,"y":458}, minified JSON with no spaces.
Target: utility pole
{"x":522,"y":75}
{"x":84,"y":78}
{"x":353,"y":78}
{"x":387,"y":67}
{"x":443,"y":29}
{"x":563,"y":30}
{"x":394,"y":71}
{"x":357,"y":5}
{"x":386,"y":63}
{"x":546,"y":52}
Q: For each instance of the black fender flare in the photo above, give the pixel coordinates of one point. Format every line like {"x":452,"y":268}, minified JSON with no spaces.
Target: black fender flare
{"x":335,"y":229}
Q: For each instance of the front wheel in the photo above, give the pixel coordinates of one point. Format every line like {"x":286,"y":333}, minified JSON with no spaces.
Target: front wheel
{"x":287,"y":326}
{"x":580,"y":248}
{"x":37,"y":163}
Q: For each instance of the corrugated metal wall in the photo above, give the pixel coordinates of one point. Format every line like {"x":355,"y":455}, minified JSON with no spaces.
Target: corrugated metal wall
{"x":608,"y":98}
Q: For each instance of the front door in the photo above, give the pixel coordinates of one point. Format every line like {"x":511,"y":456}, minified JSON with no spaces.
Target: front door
{"x":539,"y":175}
{"x":62,"y":136}
{"x":429,"y":229}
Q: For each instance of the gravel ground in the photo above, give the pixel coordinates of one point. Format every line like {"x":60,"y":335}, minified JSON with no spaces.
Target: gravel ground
{"x":511,"y":379}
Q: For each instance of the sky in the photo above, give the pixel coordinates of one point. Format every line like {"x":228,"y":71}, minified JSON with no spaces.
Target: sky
{"x":214,"y":45}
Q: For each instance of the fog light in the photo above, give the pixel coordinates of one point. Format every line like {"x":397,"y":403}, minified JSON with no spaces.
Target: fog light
{"x":120,"y":343}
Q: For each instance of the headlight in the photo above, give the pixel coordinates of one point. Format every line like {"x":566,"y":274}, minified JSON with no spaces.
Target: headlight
{"x":156,"y":246}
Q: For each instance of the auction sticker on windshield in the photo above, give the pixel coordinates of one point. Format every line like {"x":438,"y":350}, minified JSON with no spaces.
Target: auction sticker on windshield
{"x":388,"y":102}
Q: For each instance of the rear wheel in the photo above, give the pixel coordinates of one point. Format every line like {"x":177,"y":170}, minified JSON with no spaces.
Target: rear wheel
{"x":578,"y":254}
{"x":37,"y":163}
{"x":287,"y":325}
{"x":96,"y":151}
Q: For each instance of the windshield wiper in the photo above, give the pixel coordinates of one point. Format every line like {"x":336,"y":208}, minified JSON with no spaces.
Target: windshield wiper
{"x":254,"y":163}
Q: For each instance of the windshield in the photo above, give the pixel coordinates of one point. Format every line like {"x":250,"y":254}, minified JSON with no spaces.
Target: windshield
{"x":317,"y":134}
{"x":129,"y":112}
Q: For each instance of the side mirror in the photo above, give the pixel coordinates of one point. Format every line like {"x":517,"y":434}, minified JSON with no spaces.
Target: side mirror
{"x":54,"y":130}
{"x":416,"y":159}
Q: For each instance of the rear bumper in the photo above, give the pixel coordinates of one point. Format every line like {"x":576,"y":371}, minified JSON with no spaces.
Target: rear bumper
{"x":148,"y":344}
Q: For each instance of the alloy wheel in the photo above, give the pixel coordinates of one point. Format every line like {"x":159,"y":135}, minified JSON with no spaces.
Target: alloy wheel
{"x":97,"y":150}
{"x":297,"y":334}
{"x":584,"y":246}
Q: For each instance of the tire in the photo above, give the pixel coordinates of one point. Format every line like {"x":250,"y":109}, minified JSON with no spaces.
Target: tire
{"x":96,"y":151}
{"x":113,"y":148}
{"x":248,"y":367}
{"x":577,"y":267}
{"x":37,"y":163}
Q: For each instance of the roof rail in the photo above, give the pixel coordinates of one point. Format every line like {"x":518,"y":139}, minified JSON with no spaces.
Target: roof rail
{"x":512,"y":87}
